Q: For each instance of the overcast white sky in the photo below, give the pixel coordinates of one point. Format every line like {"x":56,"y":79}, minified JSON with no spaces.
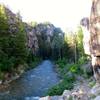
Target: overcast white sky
{"x":62,"y":13}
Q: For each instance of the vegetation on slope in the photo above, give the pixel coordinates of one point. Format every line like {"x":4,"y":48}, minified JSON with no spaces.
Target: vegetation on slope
{"x":13,"y":50}
{"x":69,"y":70}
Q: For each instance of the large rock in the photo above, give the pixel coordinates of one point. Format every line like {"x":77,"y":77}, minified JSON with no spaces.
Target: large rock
{"x":97,"y":98}
{"x":87,"y":68}
{"x":66,"y":95}
{"x":95,"y":28}
{"x":96,"y":90}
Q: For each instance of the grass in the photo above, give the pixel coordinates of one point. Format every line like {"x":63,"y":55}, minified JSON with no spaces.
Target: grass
{"x":92,"y":83}
{"x":67,"y":73}
{"x":66,"y":83}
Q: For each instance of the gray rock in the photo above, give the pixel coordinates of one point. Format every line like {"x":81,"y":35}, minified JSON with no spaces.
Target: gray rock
{"x":97,"y":98}
{"x":45,"y":98}
{"x":66,"y":94}
{"x":96,"y":90}
{"x":56,"y":98}
{"x":87,"y":68}
{"x":70,"y":75}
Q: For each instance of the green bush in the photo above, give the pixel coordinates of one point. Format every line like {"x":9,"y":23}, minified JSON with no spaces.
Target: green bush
{"x":66,"y":83}
{"x":92,"y":83}
{"x":75,"y":68}
{"x":61,"y":63}
{"x":7,"y":63}
{"x":82,"y":60}
{"x":13,"y":50}
{"x":67,"y":72}
{"x":32,"y":60}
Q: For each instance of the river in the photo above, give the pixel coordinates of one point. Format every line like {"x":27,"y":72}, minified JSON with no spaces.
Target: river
{"x":32,"y":84}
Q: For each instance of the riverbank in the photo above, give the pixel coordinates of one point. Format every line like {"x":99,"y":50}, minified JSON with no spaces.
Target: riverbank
{"x":68,"y":74}
{"x":84,"y":85}
{"x":84,"y":89}
{"x":34,"y":82}
{"x":7,"y":77}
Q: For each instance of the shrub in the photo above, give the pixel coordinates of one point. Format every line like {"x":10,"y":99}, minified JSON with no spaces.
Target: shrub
{"x":66,"y":83}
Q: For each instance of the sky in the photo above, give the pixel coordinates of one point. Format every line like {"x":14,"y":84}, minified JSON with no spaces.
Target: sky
{"x":62,"y":13}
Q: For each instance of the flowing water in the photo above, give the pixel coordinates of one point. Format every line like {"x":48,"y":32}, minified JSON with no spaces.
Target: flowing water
{"x":32,"y":84}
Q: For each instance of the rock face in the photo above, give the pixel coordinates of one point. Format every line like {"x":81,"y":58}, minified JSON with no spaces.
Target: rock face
{"x":95,"y":38}
{"x":37,"y":34}
{"x":9,"y":19}
{"x":41,"y":38}
{"x":95,"y":28}
{"x":12,"y":21}
{"x":32,"y":41}
{"x":92,"y":40}
{"x":86,"y":39}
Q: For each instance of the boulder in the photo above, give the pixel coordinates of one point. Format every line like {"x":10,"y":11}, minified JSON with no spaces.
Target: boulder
{"x":87,"y":68}
{"x":66,"y":95}
{"x":96,"y":90}
{"x":70,"y":75}
{"x":97,"y":98}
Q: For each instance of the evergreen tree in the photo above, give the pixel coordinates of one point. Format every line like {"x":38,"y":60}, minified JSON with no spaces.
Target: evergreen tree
{"x":13,"y":51}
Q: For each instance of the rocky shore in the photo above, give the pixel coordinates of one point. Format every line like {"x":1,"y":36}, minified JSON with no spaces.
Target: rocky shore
{"x":81,"y":91}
